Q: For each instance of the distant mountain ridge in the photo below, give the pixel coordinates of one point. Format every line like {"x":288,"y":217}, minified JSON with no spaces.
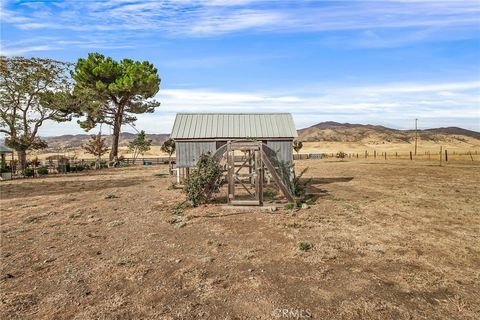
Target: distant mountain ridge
{"x":375,"y":134}
{"x":70,"y":141}
{"x":329,"y":131}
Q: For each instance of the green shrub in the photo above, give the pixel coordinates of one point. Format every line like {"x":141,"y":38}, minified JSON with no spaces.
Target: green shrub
{"x":28,"y":172}
{"x":290,"y":206}
{"x":304,"y":246}
{"x":298,"y":185}
{"x":42,"y":171}
{"x":294,"y":182}
{"x":64,"y":168}
{"x":341,"y":155}
{"x":203,"y":180}
{"x":5,"y":169}
{"x":269,"y":194}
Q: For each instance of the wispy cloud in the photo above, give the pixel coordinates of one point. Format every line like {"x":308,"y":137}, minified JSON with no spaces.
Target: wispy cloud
{"x":387,"y":103}
{"x":206,"y":18}
{"x":395,"y":105}
{"x":372,"y":23}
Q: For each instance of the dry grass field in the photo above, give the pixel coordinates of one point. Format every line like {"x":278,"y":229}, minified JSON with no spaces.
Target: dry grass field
{"x":394,"y":240}
{"x":391,"y":148}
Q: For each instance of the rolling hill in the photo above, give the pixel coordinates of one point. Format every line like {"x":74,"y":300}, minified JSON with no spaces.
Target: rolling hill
{"x":324,"y":136}
{"x":372,"y":134}
{"x":78,"y":140}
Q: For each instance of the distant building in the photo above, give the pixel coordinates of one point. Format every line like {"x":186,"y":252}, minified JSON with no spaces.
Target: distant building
{"x":198,"y":133}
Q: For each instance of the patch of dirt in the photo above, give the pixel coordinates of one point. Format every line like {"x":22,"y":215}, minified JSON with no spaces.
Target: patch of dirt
{"x":390,"y":241}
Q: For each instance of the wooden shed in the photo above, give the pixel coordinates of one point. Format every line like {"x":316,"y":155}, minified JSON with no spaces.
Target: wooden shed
{"x":198,"y":133}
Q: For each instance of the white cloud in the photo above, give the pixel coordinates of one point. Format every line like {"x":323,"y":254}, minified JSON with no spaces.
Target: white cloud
{"x":395,"y":105}
{"x":206,"y":18}
{"x":17,"y":51}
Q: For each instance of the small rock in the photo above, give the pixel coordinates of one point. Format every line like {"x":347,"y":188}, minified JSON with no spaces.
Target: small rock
{"x":178,"y":260}
{"x":208,"y":259}
{"x":250,"y":270}
{"x":49,"y":260}
{"x":305,"y":206}
{"x":272,"y":209}
{"x":181,"y":224}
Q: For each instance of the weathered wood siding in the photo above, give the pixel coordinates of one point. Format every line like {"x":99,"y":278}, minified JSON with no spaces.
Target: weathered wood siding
{"x":188,"y":152}
{"x":283,"y":149}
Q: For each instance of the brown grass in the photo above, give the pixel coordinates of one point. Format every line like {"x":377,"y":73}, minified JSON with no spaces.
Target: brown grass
{"x":390,"y":241}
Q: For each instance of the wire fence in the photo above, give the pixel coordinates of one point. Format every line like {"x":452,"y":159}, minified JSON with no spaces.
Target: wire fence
{"x":442,"y":156}
{"x":66,"y":166}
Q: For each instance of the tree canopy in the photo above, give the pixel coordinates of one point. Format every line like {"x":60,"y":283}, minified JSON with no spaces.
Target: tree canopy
{"x":168,"y":147}
{"x":139,"y":145}
{"x":297,"y":145}
{"x":32,"y":91}
{"x":112,"y":92}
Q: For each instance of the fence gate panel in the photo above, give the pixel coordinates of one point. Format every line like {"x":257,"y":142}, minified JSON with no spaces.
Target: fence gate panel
{"x":245,"y":173}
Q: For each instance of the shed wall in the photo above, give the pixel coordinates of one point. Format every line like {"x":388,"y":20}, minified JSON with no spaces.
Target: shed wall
{"x":283,"y":149}
{"x":188,"y":152}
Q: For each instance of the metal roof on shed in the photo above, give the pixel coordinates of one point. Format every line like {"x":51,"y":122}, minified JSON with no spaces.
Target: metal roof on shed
{"x":4,"y":149}
{"x":233,"y":125}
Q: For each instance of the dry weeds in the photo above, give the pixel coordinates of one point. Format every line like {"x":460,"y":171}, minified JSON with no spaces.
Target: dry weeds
{"x":390,"y":241}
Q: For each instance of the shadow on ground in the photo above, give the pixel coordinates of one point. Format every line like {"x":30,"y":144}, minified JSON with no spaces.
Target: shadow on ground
{"x":55,"y":187}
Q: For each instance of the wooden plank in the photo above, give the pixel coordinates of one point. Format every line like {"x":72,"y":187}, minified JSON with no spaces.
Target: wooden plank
{"x":276,"y":178}
{"x":245,"y":187}
{"x":245,"y":175}
{"x":259,"y":170}
{"x":244,"y":203}
{"x":231,"y":186}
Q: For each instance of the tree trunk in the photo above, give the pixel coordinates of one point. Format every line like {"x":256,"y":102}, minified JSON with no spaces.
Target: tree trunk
{"x":22,"y":159}
{"x":170,"y":171}
{"x":116,"y":135}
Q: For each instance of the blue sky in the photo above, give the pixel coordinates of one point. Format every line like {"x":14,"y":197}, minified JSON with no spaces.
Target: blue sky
{"x":375,"y":62}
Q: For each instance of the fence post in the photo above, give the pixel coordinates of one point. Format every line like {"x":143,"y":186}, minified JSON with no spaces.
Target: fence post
{"x":446,"y":156}
{"x":440,"y":155}
{"x":374,"y":154}
{"x":396,"y":155}
{"x":385,"y":155}
{"x":411,"y":158}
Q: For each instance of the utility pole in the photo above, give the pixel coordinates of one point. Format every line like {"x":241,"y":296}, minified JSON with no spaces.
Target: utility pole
{"x":416,"y":136}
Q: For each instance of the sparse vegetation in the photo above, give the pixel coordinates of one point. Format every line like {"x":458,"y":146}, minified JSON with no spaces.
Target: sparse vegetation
{"x":221,"y":251}
{"x":341,"y":155}
{"x":169,"y":147}
{"x":269,"y":194}
{"x":139,"y":145}
{"x":294,"y":225}
{"x":304,"y":246}
{"x":290,"y":206}
{"x":297,"y":145}
{"x":97,"y":147}
{"x":122,"y":261}
{"x":42,"y":171}
{"x":28,"y":172}
{"x":299,"y":184}
{"x":203,"y":180}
